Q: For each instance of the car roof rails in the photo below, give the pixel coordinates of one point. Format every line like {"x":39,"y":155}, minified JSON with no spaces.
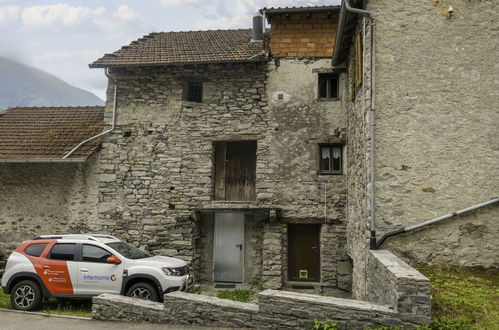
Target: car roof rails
{"x":91,"y":237}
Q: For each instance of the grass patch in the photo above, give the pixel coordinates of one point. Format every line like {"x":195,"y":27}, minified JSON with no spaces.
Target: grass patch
{"x":236,"y":295}
{"x":56,"y":306}
{"x":194,"y":289}
{"x":463,"y":298}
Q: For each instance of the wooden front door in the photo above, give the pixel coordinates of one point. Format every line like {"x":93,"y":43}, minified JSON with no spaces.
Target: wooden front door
{"x":303,"y":252}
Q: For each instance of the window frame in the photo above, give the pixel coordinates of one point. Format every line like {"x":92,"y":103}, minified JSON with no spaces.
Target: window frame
{"x":75,"y":252}
{"x":96,"y":246}
{"x":328,"y":77}
{"x":35,"y":244}
{"x":189,"y":85}
{"x":330,"y":146}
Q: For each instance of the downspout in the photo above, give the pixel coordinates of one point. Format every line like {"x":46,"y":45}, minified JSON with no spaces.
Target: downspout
{"x":372,"y":119}
{"x":432,"y":221}
{"x":115,"y":82}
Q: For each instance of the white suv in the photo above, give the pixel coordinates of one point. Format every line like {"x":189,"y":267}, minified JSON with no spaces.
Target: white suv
{"x":88,"y":265}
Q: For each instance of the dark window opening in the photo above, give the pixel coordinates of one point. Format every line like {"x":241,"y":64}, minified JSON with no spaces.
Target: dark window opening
{"x":328,"y":86}
{"x":92,"y":253}
{"x":35,"y":250}
{"x":63,"y":252}
{"x":330,"y":158}
{"x":235,"y":170}
{"x":195,"y":91}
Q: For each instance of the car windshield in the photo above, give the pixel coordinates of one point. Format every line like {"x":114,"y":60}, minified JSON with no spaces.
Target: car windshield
{"x":128,"y":250}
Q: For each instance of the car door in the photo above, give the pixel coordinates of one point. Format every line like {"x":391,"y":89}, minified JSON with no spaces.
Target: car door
{"x":58,"y":269}
{"x":95,"y":274}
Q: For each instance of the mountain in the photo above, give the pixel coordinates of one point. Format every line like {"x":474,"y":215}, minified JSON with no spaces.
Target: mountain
{"x":21,"y":85}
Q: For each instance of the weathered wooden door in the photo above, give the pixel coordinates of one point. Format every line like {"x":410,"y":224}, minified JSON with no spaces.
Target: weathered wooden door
{"x":228,"y":253}
{"x":235,"y":170}
{"x":303,"y":252}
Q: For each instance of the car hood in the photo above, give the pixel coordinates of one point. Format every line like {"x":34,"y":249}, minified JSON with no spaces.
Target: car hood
{"x":160,"y":261}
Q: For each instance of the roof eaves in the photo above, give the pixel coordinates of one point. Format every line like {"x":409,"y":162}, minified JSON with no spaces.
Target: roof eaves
{"x":96,"y":65}
{"x":42,"y":160}
{"x":283,"y":10}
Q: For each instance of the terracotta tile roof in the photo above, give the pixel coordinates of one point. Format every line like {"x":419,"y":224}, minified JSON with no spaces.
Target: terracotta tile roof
{"x":165,"y":48}
{"x":49,"y":132}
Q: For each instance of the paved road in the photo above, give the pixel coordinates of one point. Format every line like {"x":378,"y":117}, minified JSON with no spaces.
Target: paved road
{"x":21,"y":321}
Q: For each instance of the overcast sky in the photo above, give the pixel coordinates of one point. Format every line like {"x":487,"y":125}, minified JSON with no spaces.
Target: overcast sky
{"x":62,"y":37}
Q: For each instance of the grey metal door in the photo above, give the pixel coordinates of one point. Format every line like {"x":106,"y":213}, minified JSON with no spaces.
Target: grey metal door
{"x":228,"y":253}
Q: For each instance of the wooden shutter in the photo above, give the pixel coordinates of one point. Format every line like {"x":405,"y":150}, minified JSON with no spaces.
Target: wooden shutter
{"x":240,"y":171}
{"x":358,"y":60}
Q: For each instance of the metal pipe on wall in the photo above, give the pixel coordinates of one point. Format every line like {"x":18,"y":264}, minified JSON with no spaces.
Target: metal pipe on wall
{"x":434,"y":220}
{"x":106,"y":131}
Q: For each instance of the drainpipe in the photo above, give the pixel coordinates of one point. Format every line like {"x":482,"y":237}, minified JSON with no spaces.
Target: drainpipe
{"x":372,"y":118}
{"x":432,"y":221}
{"x":115,"y":81}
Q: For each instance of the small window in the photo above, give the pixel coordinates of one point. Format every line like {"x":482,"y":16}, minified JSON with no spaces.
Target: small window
{"x":92,"y":253}
{"x":35,"y":250}
{"x":195,"y":91}
{"x":328,"y":86}
{"x":63,"y":251}
{"x":330,"y":158}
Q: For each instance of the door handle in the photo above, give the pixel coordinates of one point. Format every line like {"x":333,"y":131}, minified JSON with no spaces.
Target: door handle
{"x":83,"y":270}
{"x":45,"y":267}
{"x":240,"y":246}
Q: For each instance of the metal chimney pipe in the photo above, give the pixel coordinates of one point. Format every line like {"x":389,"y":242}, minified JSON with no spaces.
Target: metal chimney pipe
{"x":257,"y":28}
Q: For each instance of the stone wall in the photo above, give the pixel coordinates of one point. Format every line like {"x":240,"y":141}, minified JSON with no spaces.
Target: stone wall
{"x":392,"y":282}
{"x":358,"y":168}
{"x":303,"y":121}
{"x":40,"y":198}
{"x":437,"y":128}
{"x":275,"y":310}
{"x":436,"y":132}
{"x":158,"y":164}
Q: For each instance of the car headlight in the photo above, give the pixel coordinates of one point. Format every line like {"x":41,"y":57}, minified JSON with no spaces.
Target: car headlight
{"x":170,"y":271}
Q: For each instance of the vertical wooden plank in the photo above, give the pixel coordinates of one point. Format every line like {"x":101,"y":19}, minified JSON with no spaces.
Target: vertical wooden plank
{"x":240,"y":171}
{"x":220,"y":165}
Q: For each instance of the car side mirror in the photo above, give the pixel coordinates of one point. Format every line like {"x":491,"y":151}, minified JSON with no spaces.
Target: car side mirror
{"x":113,"y":260}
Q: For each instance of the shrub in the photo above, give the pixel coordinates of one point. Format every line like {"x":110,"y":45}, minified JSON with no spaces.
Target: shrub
{"x":236,"y":295}
{"x":328,"y":324}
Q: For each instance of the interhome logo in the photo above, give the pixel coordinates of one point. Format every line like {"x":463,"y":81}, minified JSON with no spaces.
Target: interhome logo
{"x":99,"y":277}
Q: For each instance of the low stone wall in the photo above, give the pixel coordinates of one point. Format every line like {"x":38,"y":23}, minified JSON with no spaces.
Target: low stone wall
{"x":187,"y":308}
{"x":392,"y":282}
{"x":109,"y":307}
{"x":285,"y":310}
{"x":398,"y":296}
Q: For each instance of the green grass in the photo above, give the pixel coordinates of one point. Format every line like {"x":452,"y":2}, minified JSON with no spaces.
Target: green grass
{"x":237,"y":295}
{"x":55,"y":306}
{"x":195,"y":290}
{"x":463,"y":298}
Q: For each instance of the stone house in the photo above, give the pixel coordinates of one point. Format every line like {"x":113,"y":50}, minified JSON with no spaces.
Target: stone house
{"x":249,"y":154}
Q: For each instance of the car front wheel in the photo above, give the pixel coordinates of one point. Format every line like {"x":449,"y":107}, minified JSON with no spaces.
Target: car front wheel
{"x":26,"y":296}
{"x":143,"y":291}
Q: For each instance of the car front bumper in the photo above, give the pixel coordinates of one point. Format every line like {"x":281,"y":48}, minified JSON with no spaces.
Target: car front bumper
{"x":181,"y":283}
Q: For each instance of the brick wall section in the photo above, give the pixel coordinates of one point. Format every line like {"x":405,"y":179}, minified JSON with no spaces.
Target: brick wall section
{"x":300,"y":35}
